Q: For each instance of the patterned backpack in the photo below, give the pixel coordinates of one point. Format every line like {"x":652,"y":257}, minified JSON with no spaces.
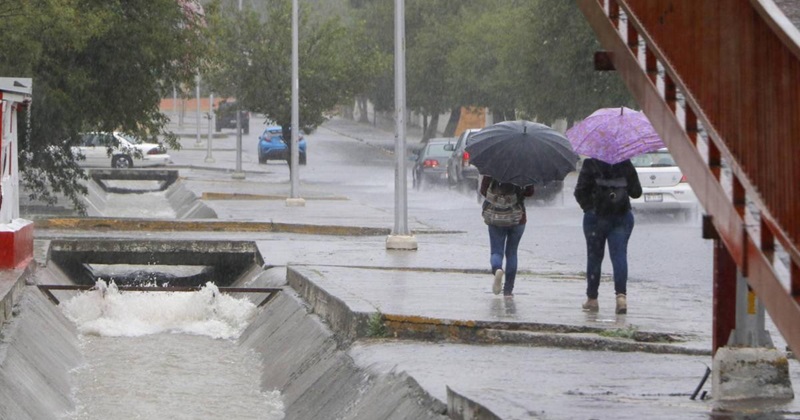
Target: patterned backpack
{"x":503,"y":206}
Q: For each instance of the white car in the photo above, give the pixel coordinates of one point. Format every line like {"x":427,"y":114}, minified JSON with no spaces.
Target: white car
{"x":126,"y":151}
{"x":664,"y":187}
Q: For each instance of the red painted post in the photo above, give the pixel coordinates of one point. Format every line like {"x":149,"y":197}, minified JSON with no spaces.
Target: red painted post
{"x":724,"y":311}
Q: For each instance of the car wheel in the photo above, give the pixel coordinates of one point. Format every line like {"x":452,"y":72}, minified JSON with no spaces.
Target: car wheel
{"x":121,"y":162}
{"x":452,"y":181}
{"x":465,"y":186}
{"x":262,"y":159}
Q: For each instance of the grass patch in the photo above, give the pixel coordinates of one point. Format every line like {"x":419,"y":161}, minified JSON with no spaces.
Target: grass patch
{"x":627,"y":332}
{"x":375,"y":326}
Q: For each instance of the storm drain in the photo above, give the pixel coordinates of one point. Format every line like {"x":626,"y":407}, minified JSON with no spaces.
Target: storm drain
{"x":142,"y":193}
{"x":147,"y":265}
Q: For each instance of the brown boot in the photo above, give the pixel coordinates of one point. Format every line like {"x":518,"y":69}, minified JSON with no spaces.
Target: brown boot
{"x":622,"y":304}
{"x":591,"y":305}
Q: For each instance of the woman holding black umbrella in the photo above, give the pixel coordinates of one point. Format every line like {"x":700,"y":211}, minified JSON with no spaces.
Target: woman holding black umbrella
{"x":512,"y":156}
{"x":504,"y":213}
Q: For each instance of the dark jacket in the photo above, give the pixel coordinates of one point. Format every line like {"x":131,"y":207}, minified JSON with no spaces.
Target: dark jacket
{"x":521,"y":191}
{"x":593,"y":169}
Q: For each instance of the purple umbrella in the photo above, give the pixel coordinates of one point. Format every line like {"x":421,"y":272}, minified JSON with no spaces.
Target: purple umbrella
{"x":614,"y":134}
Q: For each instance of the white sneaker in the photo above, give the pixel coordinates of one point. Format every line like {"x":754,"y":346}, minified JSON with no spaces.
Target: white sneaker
{"x":497,"y":287}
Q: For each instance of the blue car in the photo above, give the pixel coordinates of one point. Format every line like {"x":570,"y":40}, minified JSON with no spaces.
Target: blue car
{"x":272,"y":147}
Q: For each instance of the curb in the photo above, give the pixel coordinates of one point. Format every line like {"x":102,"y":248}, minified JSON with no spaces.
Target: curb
{"x":352,"y":325}
{"x":154,"y":225}
{"x":215,"y":169}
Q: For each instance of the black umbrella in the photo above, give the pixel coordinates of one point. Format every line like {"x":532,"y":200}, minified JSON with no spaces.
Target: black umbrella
{"x":522,"y":153}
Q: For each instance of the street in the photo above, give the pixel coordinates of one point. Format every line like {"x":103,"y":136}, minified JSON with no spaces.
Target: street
{"x":345,"y":159}
{"x":363,"y":170}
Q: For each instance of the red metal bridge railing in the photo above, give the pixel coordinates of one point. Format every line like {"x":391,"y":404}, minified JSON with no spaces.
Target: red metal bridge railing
{"x":720,"y":81}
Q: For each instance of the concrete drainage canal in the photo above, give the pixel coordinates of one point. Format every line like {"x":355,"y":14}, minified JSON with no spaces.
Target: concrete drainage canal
{"x":119,"y":193}
{"x":120,"y":329}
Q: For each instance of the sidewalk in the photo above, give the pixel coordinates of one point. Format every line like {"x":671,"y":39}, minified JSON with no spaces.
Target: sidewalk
{"x":516,"y":358}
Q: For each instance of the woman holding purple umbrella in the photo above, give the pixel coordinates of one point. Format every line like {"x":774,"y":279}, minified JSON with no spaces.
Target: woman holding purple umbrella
{"x":603,"y":192}
{"x":607,"y":181}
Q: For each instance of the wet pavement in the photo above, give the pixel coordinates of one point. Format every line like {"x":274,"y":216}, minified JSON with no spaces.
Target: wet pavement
{"x":601,"y":370}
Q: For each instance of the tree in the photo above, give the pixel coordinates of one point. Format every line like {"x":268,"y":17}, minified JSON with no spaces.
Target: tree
{"x":253,"y":62}
{"x":96,"y":65}
{"x":560,"y":80}
{"x":487,"y":64}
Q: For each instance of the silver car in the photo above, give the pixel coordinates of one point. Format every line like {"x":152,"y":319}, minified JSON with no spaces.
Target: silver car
{"x":431,"y":164}
{"x":460,"y":173}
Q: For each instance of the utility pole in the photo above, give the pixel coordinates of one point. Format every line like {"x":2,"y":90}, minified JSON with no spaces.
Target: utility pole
{"x":211,"y":120}
{"x":400,"y":238}
{"x":294,"y":159}
{"x":197,"y":99}
{"x":238,"y":173}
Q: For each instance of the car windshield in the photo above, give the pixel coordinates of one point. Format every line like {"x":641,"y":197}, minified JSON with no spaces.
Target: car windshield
{"x":131,"y":139}
{"x":654,"y":159}
{"x":437,"y":150}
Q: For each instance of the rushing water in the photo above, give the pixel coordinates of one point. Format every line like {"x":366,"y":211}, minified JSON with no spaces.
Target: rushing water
{"x":130,"y":205}
{"x":166,"y":355}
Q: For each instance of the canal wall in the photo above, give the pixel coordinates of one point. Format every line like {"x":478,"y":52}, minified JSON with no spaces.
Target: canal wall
{"x":310,"y":366}
{"x":39,"y":347}
{"x":302,"y":358}
{"x":175,"y":197}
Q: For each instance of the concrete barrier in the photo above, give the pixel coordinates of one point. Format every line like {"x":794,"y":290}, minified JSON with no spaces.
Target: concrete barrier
{"x":183,"y":202}
{"x":318,"y":379}
{"x":38,"y":350}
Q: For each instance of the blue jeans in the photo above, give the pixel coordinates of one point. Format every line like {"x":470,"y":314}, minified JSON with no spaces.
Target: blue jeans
{"x":616,"y":230}
{"x":505,"y":241}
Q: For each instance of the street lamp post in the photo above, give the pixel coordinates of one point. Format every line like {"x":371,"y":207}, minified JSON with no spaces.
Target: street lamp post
{"x":400,"y":238}
{"x":197,"y":99}
{"x":238,"y":173}
{"x":211,"y":115}
{"x":294,"y":200}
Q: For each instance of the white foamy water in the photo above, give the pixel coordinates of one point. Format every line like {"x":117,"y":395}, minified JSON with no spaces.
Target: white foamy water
{"x":131,"y":205}
{"x":166,"y":355}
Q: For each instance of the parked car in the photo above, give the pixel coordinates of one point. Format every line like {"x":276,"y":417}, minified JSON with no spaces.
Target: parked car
{"x":664,"y":187}
{"x":431,"y":163}
{"x":460,"y":173}
{"x":226,"y":117}
{"x":272,"y":147}
{"x":119,"y":150}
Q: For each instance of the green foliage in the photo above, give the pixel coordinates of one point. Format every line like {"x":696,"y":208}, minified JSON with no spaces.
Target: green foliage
{"x":252,"y":62}
{"x":530,"y":59}
{"x":627,"y":332}
{"x":105,"y":64}
{"x":375,"y":326}
{"x":487,"y":64}
{"x":560,"y":80}
{"x":96,"y":65}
